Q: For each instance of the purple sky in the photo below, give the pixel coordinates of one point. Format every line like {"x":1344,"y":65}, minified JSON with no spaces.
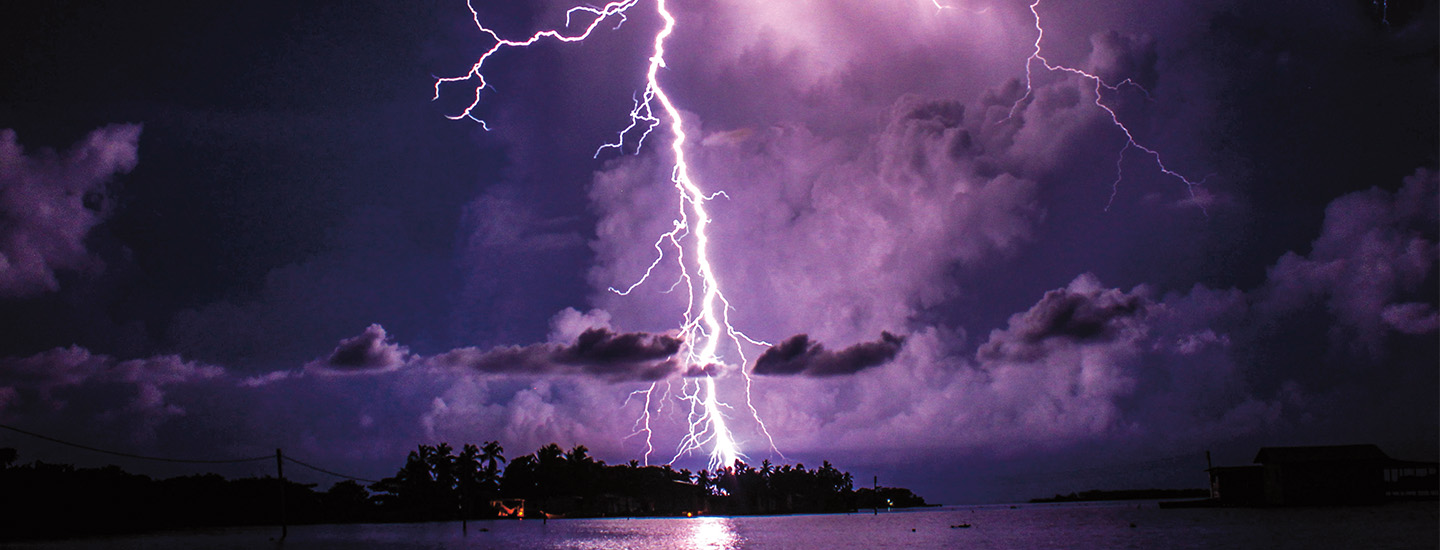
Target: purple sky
{"x":229,"y":229}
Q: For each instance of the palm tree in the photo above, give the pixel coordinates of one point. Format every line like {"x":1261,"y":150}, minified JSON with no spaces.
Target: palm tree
{"x":491,"y":456}
{"x":521,"y":478}
{"x":552,"y":471}
{"x":469,"y":479}
{"x":705,"y":481}
{"x":441,"y":461}
{"x":549,"y":454}
{"x":578,"y":456}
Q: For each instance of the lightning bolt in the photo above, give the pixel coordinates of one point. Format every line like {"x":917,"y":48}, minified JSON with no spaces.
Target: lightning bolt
{"x":1036,"y":57}
{"x":613,"y":9}
{"x":706,"y":326}
{"x":706,"y":329}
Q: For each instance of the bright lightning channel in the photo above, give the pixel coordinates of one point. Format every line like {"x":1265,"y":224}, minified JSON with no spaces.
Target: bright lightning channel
{"x":1100,"y":84}
{"x":706,"y":326}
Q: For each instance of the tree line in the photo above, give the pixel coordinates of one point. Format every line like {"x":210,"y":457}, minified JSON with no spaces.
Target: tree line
{"x":436,"y":482}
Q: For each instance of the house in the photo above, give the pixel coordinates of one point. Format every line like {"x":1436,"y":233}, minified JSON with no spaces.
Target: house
{"x":1323,"y":475}
{"x":1237,"y":485}
{"x":1411,"y":480}
{"x":1334,"y":474}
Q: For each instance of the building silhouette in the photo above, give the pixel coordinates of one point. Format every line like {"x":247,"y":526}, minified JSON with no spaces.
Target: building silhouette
{"x":1322,"y":476}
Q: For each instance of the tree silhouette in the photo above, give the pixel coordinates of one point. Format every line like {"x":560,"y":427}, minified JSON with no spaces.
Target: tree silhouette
{"x":492,"y":455}
{"x":434,"y":483}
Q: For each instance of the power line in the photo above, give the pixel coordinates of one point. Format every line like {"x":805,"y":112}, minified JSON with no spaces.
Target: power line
{"x":182,"y":460}
{"x":131,"y":455}
{"x":324,"y":471}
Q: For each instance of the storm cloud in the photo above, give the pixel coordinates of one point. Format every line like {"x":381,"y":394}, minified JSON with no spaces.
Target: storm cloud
{"x":1371,"y":264}
{"x":1081,"y":312}
{"x":797,"y":355}
{"x":98,"y":393}
{"x":1040,"y":289}
{"x":598,"y":352}
{"x":372,"y":350}
{"x":1092,"y":362}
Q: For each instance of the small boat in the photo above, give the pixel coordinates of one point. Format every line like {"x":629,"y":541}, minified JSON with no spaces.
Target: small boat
{"x":960,"y":526}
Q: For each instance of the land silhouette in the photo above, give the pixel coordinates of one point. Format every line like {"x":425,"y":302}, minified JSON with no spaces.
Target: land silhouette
{"x":1124,"y":494}
{"x":435,"y":483}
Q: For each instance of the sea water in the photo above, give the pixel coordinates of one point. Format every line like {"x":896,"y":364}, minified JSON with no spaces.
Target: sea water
{"x":1100,"y":525}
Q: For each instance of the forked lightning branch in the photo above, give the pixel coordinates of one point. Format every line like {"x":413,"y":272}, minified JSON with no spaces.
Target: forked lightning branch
{"x":706,"y":331}
{"x":710,"y":342}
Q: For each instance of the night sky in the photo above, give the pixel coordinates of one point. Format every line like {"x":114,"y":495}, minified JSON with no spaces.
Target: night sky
{"x":227,"y":228}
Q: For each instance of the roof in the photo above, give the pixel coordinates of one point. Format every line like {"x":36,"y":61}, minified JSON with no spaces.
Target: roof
{"x":1397,"y":463}
{"x":1255,"y":467}
{"x":1325,"y":453}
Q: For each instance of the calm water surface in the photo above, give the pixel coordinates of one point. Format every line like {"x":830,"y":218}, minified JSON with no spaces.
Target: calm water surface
{"x":1078,"y":526}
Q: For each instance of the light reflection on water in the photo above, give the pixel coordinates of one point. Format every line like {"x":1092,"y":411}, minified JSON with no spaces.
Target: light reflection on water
{"x":1089,"y":526}
{"x":712,"y":533}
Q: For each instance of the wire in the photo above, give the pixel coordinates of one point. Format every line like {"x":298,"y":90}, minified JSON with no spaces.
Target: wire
{"x":129,"y":455}
{"x":324,"y":471}
{"x":183,"y":460}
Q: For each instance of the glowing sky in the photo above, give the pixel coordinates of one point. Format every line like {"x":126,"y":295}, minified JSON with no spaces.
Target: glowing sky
{"x":230,"y":229}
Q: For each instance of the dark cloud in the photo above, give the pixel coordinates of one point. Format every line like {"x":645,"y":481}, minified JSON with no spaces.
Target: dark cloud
{"x":1082,"y":312}
{"x":1411,"y":318}
{"x":798,"y":355}
{"x":1116,"y":58}
{"x":598,"y":352}
{"x":877,"y":174}
{"x":1372,"y":267}
{"x":96,"y":391}
{"x":602,"y":347}
{"x":512,"y":248}
{"x":50,"y":201}
{"x":371,"y":351}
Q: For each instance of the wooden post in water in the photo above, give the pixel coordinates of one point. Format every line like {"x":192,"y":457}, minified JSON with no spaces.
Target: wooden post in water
{"x":876,"y":495}
{"x":280,"y":470}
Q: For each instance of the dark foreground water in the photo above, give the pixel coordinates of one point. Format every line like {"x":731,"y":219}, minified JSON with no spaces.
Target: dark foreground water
{"x":1079,"y":526}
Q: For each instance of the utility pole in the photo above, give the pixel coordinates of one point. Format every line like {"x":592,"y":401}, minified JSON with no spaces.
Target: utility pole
{"x":1210,"y":471}
{"x":280,"y":469}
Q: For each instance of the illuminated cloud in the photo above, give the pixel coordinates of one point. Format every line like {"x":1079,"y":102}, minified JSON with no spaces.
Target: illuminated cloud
{"x":936,"y":188}
{"x":875,"y":180}
{"x":50,"y":201}
{"x":1090,"y":362}
{"x":1375,"y":253}
{"x":371,"y":351}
